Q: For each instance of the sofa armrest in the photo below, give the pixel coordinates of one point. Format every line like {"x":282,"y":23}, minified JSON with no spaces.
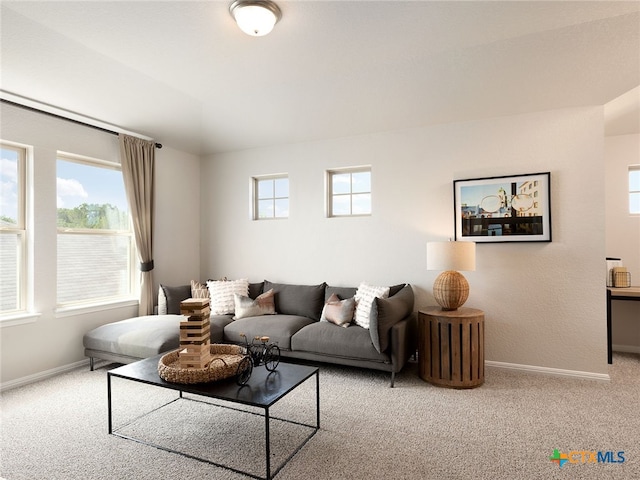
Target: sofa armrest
{"x":404,"y":341}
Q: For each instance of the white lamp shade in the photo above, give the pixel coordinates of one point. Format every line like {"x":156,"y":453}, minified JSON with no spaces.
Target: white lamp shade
{"x":255,"y":18}
{"x":451,"y":256}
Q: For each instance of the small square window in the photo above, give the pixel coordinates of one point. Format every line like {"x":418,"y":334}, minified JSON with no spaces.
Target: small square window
{"x":634,"y":190}
{"x":349,"y":192}
{"x":270,"y":197}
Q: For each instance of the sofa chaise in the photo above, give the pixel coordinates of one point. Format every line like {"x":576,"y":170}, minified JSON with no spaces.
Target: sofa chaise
{"x":365,"y":326}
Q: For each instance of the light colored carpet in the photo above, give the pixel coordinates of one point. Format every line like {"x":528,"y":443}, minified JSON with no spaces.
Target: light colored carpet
{"x":506,"y":429}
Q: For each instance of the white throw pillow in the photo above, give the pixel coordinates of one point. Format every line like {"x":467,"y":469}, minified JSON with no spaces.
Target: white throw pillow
{"x":162,"y":301}
{"x":365,"y":296}
{"x":221,"y":293}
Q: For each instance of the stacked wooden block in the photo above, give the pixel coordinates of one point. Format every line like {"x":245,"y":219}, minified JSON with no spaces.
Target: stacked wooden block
{"x":195,"y":334}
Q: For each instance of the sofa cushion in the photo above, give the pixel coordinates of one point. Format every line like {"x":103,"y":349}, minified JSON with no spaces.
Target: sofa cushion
{"x":305,"y":300}
{"x":247,"y":307}
{"x":365,"y":297}
{"x":328,"y":339}
{"x":222,"y":291}
{"x":172,"y":298}
{"x":216,"y":327}
{"x":279,"y":328}
{"x":386,"y":312}
{"x":338,"y":312}
{"x":342,"y":292}
{"x":138,"y":337}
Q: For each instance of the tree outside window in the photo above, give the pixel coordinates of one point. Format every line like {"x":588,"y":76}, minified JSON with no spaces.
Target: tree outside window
{"x":95,"y":237}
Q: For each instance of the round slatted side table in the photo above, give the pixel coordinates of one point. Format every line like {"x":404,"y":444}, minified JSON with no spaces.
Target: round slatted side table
{"x":451,"y":347}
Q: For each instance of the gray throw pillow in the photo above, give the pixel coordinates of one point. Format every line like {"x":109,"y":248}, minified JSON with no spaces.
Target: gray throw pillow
{"x":175,"y":295}
{"x":386,"y":312}
{"x":303,"y":300}
{"x":255,"y":289}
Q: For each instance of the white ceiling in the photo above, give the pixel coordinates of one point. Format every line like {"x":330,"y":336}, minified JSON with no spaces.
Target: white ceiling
{"x":183,"y":73}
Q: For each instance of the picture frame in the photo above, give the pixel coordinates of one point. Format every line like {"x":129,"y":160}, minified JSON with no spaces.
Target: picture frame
{"x":513,"y":208}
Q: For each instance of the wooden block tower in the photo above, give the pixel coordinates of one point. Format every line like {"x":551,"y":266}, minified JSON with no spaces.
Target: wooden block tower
{"x":195,"y":334}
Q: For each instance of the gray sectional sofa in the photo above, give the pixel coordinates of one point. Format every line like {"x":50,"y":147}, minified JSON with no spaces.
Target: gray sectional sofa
{"x":298,"y":327}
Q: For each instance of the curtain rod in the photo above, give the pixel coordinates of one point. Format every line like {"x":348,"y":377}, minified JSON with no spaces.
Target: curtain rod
{"x":78,"y":122}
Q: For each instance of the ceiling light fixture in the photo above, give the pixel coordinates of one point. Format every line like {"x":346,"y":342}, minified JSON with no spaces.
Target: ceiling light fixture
{"x":255,"y":17}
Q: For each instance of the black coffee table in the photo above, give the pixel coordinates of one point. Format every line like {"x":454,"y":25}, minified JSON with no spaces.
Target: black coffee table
{"x":261,"y":391}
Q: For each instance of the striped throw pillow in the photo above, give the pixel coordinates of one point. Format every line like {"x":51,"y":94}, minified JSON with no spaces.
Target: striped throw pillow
{"x":365,"y":296}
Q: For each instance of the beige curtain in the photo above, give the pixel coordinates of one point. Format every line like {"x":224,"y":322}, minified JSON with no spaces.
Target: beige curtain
{"x":137,"y":157}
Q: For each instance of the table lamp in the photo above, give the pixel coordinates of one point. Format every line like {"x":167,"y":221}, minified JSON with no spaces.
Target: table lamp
{"x":450,"y":288}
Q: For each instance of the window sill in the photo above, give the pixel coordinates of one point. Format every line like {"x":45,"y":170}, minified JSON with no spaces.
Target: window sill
{"x":13,"y":320}
{"x":72,"y":310}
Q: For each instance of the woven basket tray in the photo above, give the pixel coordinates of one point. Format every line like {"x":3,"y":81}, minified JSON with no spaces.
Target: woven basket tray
{"x":224,"y":364}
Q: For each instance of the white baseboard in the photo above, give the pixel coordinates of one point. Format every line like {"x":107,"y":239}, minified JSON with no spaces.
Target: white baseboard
{"x":557,"y":372}
{"x":626,"y":348}
{"x":603,"y":377}
{"x":19,"y":382}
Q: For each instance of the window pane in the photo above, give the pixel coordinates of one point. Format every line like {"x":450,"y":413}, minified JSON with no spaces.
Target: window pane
{"x":93,"y":216}
{"x":265,"y":189}
{"x":265,"y":208}
{"x":361,"y":204}
{"x":93,"y":267}
{"x":634,"y":180}
{"x":341,"y":205}
{"x":12,"y":221}
{"x":634,"y":202}
{"x":271,"y":197}
{"x":9,"y":202}
{"x":350,"y":192}
{"x":341,"y":183}
{"x":91,"y":197}
{"x":9,"y":272}
{"x":282,"y":208}
{"x":361,"y":182}
{"x":281,"y":187}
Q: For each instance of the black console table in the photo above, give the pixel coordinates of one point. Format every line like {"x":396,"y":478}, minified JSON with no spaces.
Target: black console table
{"x":628,"y":293}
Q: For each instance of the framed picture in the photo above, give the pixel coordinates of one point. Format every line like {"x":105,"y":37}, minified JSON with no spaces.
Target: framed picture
{"x":503,"y":209}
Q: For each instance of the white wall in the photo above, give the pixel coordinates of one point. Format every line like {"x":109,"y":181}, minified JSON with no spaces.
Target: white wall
{"x":52,"y":341}
{"x":623,"y":234}
{"x":544,"y":302}
{"x":176,"y":243}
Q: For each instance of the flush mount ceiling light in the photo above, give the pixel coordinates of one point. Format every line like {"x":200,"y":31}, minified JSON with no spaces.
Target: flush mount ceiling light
{"x":255,"y":17}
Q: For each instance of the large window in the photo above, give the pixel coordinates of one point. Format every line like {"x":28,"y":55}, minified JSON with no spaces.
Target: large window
{"x":95,"y":237}
{"x":13,"y":229}
{"x":634,"y":189}
{"x":349,"y":192}
{"x":270,"y":197}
